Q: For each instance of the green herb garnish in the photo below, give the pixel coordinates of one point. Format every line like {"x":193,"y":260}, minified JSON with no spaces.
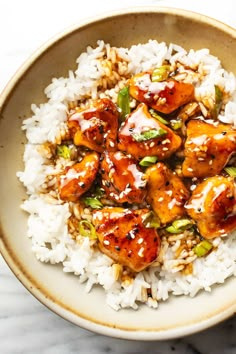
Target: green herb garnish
{"x":161,"y":73}
{"x":218,"y":102}
{"x":177,"y":124}
{"x":172,"y":230}
{"x":231,"y":171}
{"x":155,"y":115}
{"x":179,"y":226}
{"x":202,"y":248}
{"x":149,"y":134}
{"x":123,"y":102}
{"x":151,"y":220}
{"x":87,"y":229}
{"x":94,"y":203}
{"x":148,"y":161}
{"x":63,"y":151}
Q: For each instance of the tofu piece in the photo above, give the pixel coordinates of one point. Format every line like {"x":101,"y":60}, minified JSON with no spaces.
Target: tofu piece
{"x":213,"y":206}
{"x":208,"y":148}
{"x":166,"y":194}
{"x":134,"y":136}
{"x":123,"y":236}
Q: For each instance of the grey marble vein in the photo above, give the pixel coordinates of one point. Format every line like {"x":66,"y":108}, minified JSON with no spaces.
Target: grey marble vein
{"x":27,"y":327}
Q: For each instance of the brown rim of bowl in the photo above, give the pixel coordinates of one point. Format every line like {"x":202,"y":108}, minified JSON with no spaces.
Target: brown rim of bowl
{"x":31,"y":284}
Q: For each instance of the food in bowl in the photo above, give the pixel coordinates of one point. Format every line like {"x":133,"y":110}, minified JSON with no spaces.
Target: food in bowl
{"x":129,"y":171}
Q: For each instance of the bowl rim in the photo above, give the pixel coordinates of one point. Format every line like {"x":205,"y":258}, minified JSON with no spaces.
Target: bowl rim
{"x":31,"y":284}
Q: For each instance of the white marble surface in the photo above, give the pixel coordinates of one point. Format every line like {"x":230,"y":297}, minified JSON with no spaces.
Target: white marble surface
{"x":26,"y":326}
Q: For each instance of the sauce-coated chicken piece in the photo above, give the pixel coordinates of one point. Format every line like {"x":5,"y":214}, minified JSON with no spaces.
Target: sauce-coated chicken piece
{"x":213,"y":206}
{"x":96,"y":127}
{"x":208,"y":148}
{"x":142,"y":135}
{"x":123,"y":236}
{"x":122,"y":179}
{"x":77,"y":179}
{"x":167,"y":193}
{"x":165,"y":96}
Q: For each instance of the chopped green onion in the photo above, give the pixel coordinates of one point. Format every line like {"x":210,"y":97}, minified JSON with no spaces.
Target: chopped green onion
{"x":179,"y":226}
{"x":218,"y":102}
{"x":172,"y":230}
{"x":202,"y":248}
{"x":93,"y":203}
{"x":231,"y":171}
{"x":161,"y":73}
{"x":182,"y":224}
{"x":151,"y":220}
{"x":156,"y":116}
{"x":87,"y":229}
{"x":123,"y":102}
{"x":63,"y":151}
{"x":177,"y":124}
{"x":148,"y":161}
{"x":149,"y":134}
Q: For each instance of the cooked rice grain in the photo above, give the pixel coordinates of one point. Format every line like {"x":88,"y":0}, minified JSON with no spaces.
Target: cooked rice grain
{"x":101,"y":72}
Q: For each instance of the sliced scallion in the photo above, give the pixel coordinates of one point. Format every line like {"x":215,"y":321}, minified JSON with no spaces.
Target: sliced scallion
{"x":87,"y":229}
{"x":148,"y":161}
{"x":202,"y":248}
{"x":93,"y":202}
{"x":179,"y":226}
{"x":151,"y":220}
{"x":172,"y":230}
{"x":182,"y":224}
{"x":231,"y":171}
{"x":177,"y":124}
{"x":63,"y":151}
{"x":218,"y":102}
{"x":123,"y":102}
{"x":161,"y":73}
{"x":149,"y":134}
{"x":156,"y":116}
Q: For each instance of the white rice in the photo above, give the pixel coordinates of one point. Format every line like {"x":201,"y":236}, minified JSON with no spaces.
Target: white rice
{"x":47,"y":223}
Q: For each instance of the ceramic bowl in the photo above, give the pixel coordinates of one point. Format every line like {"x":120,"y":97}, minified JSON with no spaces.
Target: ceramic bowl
{"x":61,"y":292}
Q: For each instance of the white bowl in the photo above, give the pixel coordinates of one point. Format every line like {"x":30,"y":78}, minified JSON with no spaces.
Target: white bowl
{"x":60,"y":292}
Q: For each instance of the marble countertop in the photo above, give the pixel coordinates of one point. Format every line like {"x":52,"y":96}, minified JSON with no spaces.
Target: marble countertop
{"x":26,"y":326}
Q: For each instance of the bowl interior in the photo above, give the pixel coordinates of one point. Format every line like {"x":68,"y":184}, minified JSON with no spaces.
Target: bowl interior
{"x":62,"y":292}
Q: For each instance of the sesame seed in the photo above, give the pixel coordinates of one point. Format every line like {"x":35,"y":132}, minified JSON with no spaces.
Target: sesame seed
{"x":132,"y":234}
{"x":160,"y":199}
{"x":190,"y":169}
{"x":140,"y":252}
{"x":210,"y":162}
{"x":165,"y":149}
{"x":112,"y":144}
{"x":106,"y":242}
{"x":140,"y":241}
{"x":166,"y":141}
{"x":192,"y":187}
